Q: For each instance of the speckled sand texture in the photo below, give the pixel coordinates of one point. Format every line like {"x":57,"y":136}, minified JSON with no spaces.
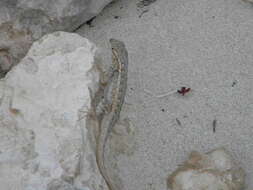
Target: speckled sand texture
{"x":205,"y":45}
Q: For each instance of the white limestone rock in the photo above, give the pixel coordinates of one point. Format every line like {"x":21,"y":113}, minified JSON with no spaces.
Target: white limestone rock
{"x":215,"y":170}
{"x":44,"y":142}
{"x":23,"y":21}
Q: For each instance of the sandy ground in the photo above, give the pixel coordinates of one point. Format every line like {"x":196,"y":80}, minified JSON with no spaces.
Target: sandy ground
{"x":205,"y":45}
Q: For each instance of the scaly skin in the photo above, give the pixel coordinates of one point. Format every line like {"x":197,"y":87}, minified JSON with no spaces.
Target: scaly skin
{"x":117,"y":96}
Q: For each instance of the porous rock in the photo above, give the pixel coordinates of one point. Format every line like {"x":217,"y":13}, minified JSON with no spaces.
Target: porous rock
{"x":23,"y":21}
{"x":214,"y":170}
{"x":44,"y":142}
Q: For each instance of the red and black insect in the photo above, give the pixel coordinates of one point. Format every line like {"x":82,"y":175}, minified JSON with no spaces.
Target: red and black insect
{"x":184,"y":90}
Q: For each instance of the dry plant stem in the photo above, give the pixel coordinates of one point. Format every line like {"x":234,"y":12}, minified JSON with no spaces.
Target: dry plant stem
{"x":161,"y":95}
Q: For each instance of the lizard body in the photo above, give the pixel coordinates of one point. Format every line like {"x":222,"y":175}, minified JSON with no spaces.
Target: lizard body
{"x":114,"y":98}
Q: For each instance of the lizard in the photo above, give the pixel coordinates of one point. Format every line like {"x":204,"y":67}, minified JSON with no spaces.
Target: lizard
{"x":114,"y":95}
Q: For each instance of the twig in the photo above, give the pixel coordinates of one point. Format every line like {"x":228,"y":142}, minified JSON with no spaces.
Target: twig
{"x":166,"y":94}
{"x":145,"y":11}
{"x":161,"y":95}
{"x":214,"y":125}
{"x":178,"y":121}
{"x":149,"y":92}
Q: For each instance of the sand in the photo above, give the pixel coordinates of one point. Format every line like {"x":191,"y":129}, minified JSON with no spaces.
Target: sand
{"x":204,"y":45}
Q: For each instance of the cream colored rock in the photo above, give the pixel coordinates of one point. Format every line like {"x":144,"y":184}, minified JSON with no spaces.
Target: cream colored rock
{"x":23,"y":21}
{"x":214,"y":170}
{"x":44,"y":141}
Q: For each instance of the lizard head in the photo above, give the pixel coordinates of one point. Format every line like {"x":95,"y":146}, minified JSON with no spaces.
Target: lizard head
{"x":116,"y":44}
{"x":120,"y":49}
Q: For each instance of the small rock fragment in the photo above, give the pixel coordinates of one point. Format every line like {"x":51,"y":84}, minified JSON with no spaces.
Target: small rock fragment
{"x":214,"y":170}
{"x":144,"y":3}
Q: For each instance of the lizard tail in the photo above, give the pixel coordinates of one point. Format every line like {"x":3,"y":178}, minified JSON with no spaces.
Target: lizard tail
{"x":100,"y":160}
